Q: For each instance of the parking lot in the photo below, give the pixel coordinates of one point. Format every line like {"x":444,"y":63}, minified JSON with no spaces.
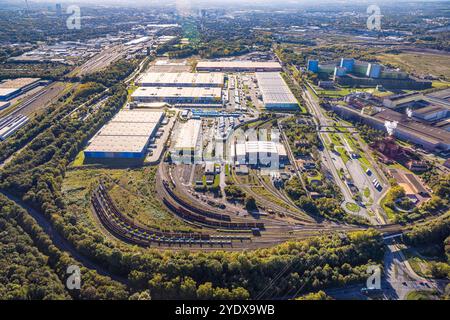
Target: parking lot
{"x":243,"y":93}
{"x":157,"y":144}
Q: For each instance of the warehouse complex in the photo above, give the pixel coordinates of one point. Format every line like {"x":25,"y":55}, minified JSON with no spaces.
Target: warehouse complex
{"x":127,"y":135}
{"x":10,"y":89}
{"x":181,"y":79}
{"x":180,"y":89}
{"x":239,"y":66}
{"x":275,"y":92}
{"x":179,"y":96}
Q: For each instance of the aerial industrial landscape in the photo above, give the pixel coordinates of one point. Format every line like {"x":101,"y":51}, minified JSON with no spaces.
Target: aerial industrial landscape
{"x":224,"y":151}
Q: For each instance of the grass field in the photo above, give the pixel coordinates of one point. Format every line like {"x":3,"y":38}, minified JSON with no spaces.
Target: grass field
{"x":133,"y":191}
{"x":389,"y":212}
{"x":79,"y":160}
{"x":191,"y":32}
{"x":366,"y":192}
{"x":421,"y":295}
{"x":343,"y":154}
{"x":352,"y":207}
{"x":420,"y":63}
{"x":336,"y":139}
{"x":262,"y":191}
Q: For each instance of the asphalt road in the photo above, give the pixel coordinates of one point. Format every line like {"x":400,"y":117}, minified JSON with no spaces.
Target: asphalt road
{"x":398,"y":279}
{"x":353,"y":167}
{"x":327,"y":158}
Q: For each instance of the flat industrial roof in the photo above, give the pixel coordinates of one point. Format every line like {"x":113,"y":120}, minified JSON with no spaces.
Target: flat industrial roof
{"x":173,"y":92}
{"x":8,"y":91}
{"x":240,"y":149}
{"x":430,"y":110}
{"x":260,"y":147}
{"x":182,"y":78}
{"x":442,"y":94}
{"x":238,"y":64}
{"x":117,"y":144}
{"x":135,"y":116}
{"x":274,"y":89}
{"x":188,"y":133}
{"x":128,"y":129}
{"x":18,"y":83}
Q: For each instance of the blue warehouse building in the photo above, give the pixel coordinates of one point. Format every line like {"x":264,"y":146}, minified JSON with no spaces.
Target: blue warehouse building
{"x":126,"y":136}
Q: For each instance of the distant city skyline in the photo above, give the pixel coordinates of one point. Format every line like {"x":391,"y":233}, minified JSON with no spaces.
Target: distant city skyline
{"x":200,"y":2}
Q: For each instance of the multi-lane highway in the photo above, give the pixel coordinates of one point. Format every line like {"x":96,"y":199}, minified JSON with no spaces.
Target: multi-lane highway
{"x":353,"y":167}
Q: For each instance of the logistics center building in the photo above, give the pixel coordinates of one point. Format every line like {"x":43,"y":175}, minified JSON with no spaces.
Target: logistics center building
{"x":257,"y":153}
{"x":239,"y":66}
{"x":275,"y":92}
{"x":179,"y":96}
{"x":187,"y":140}
{"x":181,"y":79}
{"x":127,"y":135}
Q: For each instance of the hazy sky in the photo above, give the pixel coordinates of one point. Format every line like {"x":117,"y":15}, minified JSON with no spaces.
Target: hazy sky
{"x":202,"y":3}
{"x":131,"y":2}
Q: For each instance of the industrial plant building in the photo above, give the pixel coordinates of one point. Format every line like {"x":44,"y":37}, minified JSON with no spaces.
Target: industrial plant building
{"x":408,"y":129}
{"x":258,"y":153}
{"x":275,"y":92}
{"x":431,"y":113}
{"x":350,"y":72}
{"x":126,"y":136}
{"x":186,"y":141}
{"x":180,"y":96}
{"x":10,"y":89}
{"x":428,"y":108}
{"x":239,"y":66}
{"x":181,"y":79}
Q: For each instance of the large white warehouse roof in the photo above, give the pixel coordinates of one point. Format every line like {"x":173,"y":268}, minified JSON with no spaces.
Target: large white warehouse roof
{"x":174,"y":92}
{"x":274,"y":89}
{"x":239,"y":65}
{"x":135,"y":116}
{"x":181,"y":79}
{"x":188,"y":134}
{"x":115,"y":144}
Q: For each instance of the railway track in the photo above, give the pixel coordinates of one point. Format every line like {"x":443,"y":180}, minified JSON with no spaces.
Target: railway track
{"x":126,"y":230}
